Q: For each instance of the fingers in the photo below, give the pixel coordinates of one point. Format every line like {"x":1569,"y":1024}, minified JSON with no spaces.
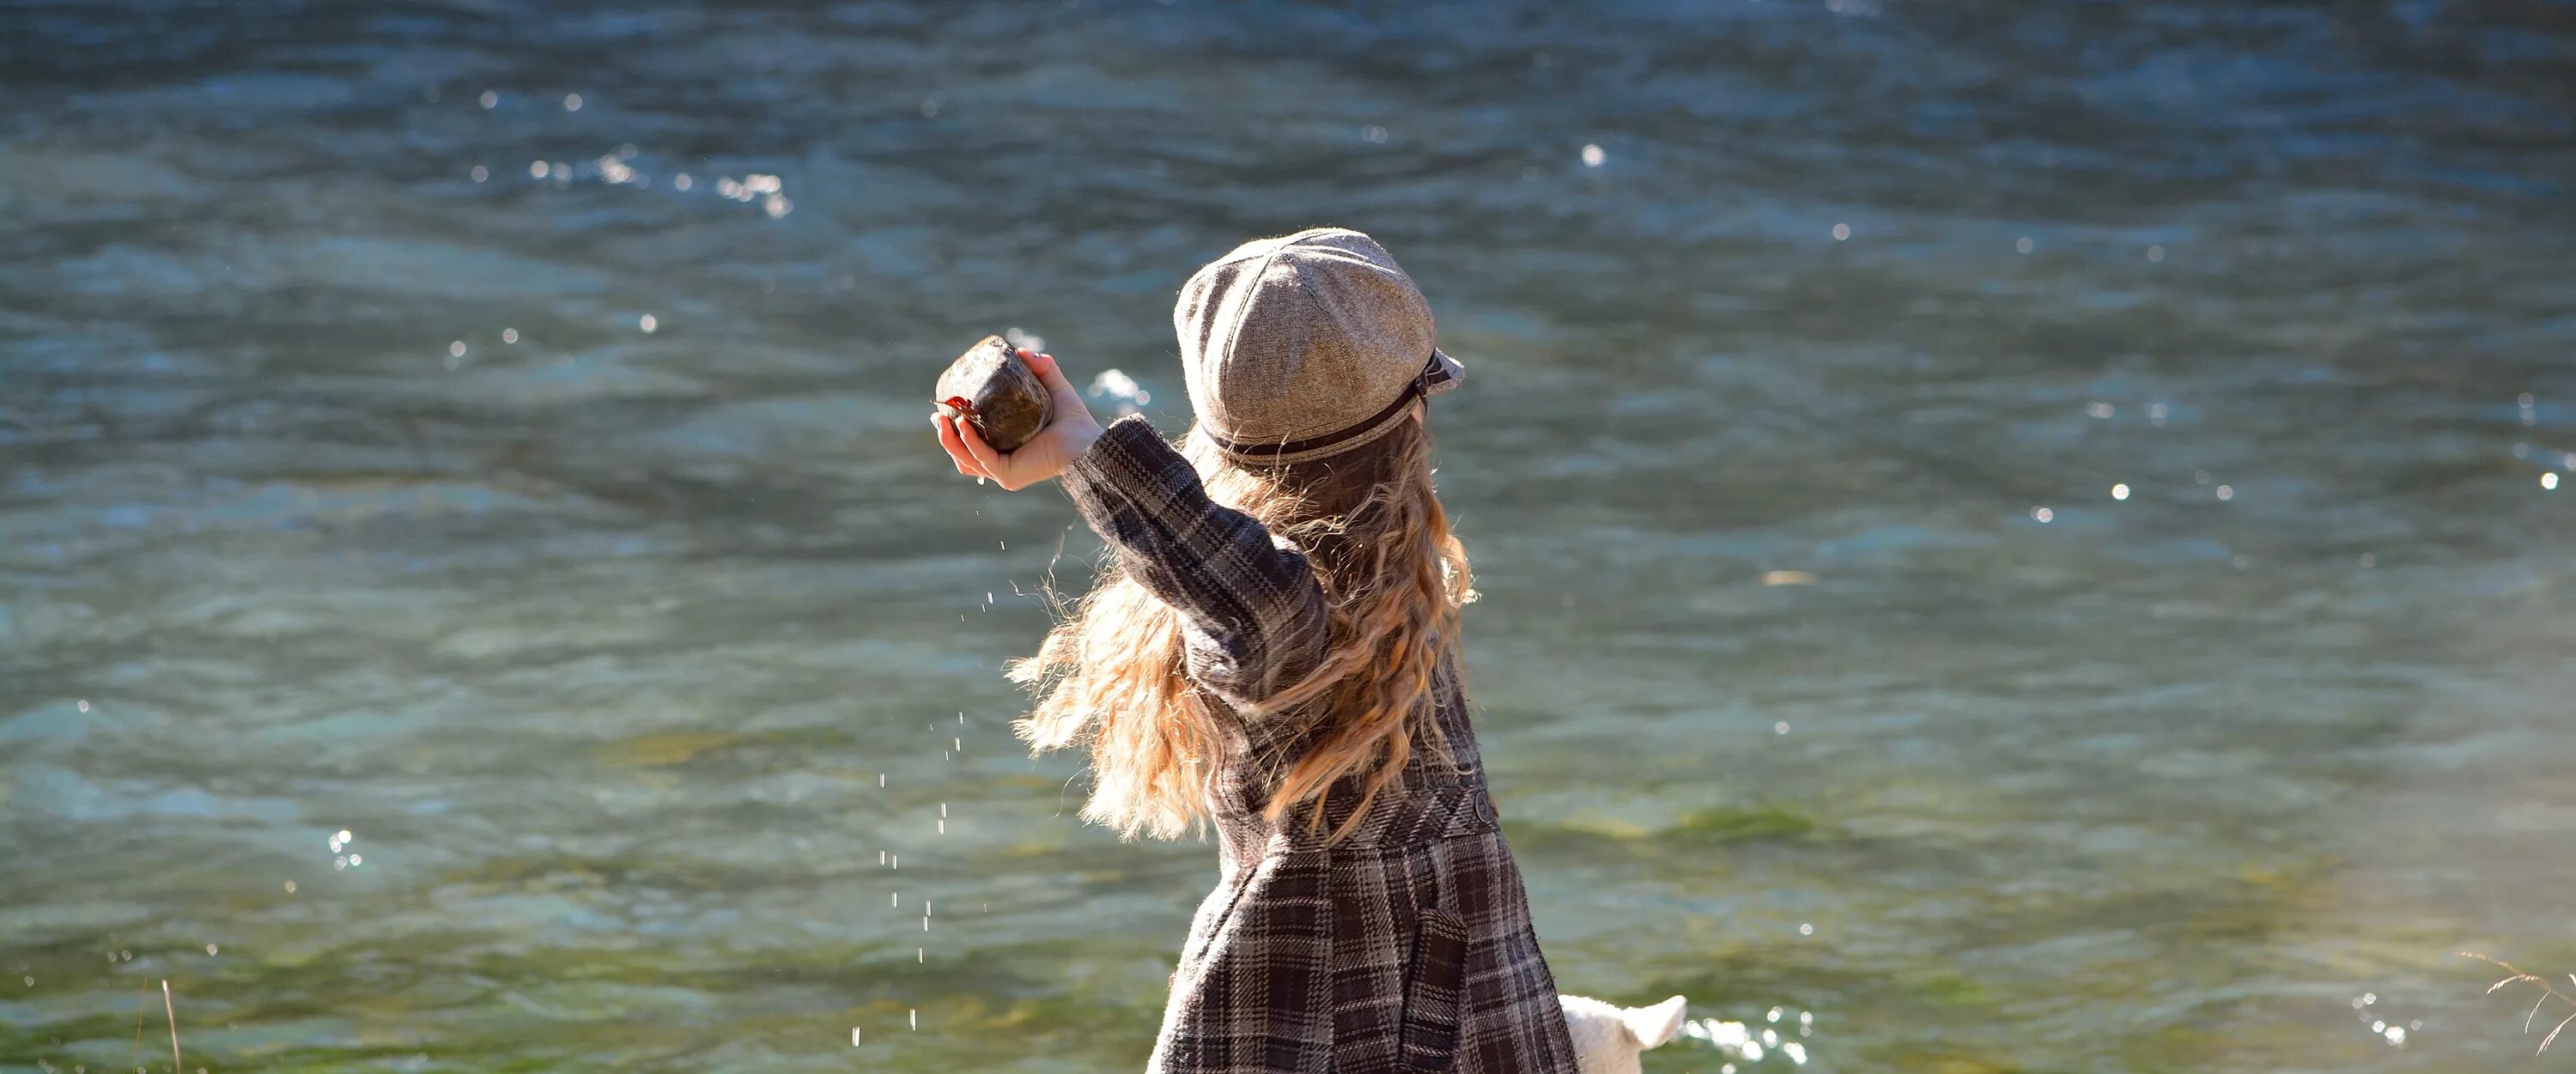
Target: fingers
{"x":990,"y":462}
{"x":955,"y":447}
{"x":1067,"y":397}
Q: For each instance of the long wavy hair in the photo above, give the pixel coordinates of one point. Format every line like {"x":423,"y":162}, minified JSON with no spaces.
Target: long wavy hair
{"x":1111,"y":673}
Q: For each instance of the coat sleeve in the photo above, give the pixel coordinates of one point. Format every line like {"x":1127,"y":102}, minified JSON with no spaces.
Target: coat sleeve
{"x":1252,"y":612}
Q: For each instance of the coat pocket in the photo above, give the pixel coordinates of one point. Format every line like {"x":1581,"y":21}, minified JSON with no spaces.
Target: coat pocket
{"x":1434,"y":981}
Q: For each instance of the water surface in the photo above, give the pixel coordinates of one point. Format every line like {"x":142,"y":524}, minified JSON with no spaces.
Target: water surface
{"x":2020,"y":530}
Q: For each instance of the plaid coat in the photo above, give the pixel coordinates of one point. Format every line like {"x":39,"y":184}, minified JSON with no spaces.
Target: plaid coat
{"x":1408,"y":946}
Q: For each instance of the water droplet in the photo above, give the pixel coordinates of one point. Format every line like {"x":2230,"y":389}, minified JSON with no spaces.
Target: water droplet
{"x":682,"y":181}
{"x":456,"y":349}
{"x":210,"y":949}
{"x":1373,"y":133}
{"x":290,"y":887}
{"x":490,"y":98}
{"x":2524,"y":400}
{"x":2022,"y":244}
{"x":481,"y":173}
{"x":82,"y":704}
{"x":2155,"y":253}
{"x":1780,"y":728}
{"x":2119,"y":492}
{"x":929,"y":107}
{"x":572,"y":102}
{"x":509,"y":335}
{"x":2200,"y":477}
{"x":1593,"y":156}
{"x":1841,"y":232}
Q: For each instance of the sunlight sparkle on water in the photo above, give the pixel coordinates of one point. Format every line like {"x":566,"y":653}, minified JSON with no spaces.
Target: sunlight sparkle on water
{"x":572,"y":102}
{"x":1118,"y":385}
{"x":647,"y":323}
{"x":1841,"y":232}
{"x":509,"y":335}
{"x":2022,"y":244}
{"x":2226,"y":492}
{"x":2099,"y":409}
{"x":2119,"y":492}
{"x":2042,"y":514}
{"x":2549,"y":481}
{"x":1593,"y":156}
{"x":480,"y":173}
{"x":490,"y":98}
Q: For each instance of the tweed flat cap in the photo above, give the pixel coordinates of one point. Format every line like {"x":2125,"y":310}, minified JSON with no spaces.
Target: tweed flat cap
{"x":1305,"y":345}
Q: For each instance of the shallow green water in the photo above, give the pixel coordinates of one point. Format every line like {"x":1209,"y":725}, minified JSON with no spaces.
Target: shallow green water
{"x":624,"y":655}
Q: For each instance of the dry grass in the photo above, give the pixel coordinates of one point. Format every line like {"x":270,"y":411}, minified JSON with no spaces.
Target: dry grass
{"x":2547,"y":990}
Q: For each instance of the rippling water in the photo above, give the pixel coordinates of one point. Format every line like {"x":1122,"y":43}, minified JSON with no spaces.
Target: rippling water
{"x":2021,"y":530}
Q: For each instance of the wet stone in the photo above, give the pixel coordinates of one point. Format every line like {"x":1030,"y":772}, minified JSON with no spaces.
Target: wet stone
{"x":993,"y":390}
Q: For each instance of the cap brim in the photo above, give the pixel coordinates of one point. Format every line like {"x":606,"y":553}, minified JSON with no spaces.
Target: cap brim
{"x":1444,"y":374}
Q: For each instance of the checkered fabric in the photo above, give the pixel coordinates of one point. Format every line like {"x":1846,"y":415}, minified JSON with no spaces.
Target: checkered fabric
{"x":1408,"y":946}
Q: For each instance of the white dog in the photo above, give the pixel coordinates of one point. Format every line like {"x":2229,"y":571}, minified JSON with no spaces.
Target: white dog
{"x":1609,"y":1038}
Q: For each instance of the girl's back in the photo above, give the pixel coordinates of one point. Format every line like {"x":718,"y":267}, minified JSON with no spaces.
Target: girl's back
{"x":1275,"y":655}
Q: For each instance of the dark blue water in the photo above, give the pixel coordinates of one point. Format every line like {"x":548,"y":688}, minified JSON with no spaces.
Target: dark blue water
{"x":2029,"y":533}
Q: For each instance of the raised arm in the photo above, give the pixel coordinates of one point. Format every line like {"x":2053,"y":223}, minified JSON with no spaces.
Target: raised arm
{"x":1252,"y":611}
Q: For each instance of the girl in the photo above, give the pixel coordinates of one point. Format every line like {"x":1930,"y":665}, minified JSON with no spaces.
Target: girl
{"x":1274,"y":653}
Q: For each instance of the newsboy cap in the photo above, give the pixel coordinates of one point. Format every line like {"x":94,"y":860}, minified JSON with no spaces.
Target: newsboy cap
{"x":1305,"y":345}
